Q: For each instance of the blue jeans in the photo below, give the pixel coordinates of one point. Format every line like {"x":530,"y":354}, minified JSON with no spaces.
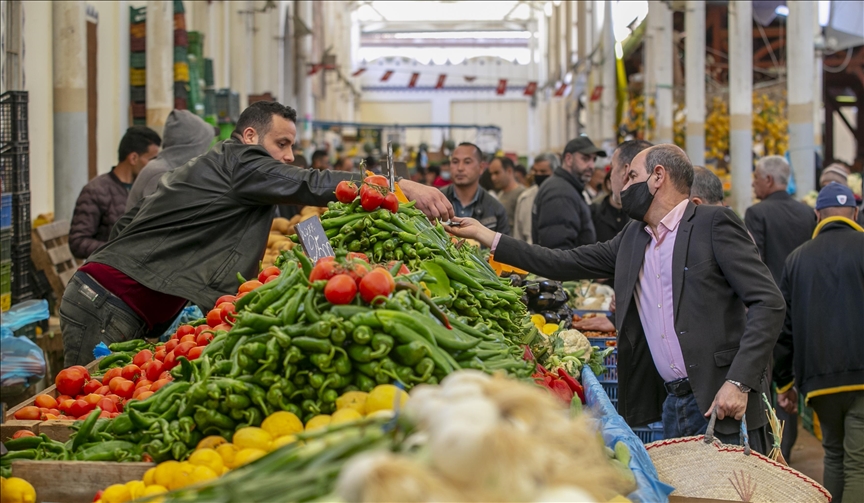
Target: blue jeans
{"x":682,"y":418}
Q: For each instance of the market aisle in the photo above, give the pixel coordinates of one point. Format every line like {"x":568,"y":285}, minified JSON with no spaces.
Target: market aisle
{"x":807,"y":455}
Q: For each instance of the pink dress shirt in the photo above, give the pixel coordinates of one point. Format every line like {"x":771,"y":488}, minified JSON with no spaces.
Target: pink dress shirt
{"x":654,"y":297}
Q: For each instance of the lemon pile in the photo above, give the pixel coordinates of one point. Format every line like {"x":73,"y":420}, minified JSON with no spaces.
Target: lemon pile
{"x":16,"y":490}
{"x":540,"y":322}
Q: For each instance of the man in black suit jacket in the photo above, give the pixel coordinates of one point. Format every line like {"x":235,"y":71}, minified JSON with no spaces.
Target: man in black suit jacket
{"x":726,"y":312}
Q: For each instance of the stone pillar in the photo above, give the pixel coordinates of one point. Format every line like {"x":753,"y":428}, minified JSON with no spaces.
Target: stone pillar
{"x":242,"y":49}
{"x":663,"y":71}
{"x":305,"y":100}
{"x":649,"y":80}
{"x":799,"y":85}
{"x":70,"y":105}
{"x":694,"y":68}
{"x":741,"y":103}
{"x":160,"y":63}
{"x":609,"y":99}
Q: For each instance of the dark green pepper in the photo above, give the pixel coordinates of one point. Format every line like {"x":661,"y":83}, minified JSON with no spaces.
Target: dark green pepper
{"x":319,"y":330}
{"x":235,"y":401}
{"x":381,"y":345}
{"x":364,"y":383}
{"x":411,"y":353}
{"x":362,"y":334}
{"x":311,"y":345}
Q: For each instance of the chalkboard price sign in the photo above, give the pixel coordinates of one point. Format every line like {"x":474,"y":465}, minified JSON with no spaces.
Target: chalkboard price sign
{"x":314,"y":240}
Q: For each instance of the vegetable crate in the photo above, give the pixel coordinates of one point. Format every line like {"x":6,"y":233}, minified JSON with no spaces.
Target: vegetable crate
{"x":13,"y":117}
{"x":651,"y":433}
{"x":5,"y":245}
{"x":15,"y":167}
{"x":75,"y":481}
{"x":51,"y":255}
{"x":5,"y":285}
{"x":6,"y":210}
{"x":611,"y":361}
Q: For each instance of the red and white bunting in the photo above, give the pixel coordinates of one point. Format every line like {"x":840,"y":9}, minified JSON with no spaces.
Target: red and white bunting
{"x":596,"y":93}
{"x":315,"y":68}
{"x":562,"y":90}
{"x":387,"y":75}
{"x":358,"y":72}
{"x":414,"y":78}
{"x":441,"y":79}
{"x":502,"y":87}
{"x":530,"y":89}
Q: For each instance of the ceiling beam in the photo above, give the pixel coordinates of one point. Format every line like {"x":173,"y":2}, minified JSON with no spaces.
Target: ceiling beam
{"x":440,"y":26}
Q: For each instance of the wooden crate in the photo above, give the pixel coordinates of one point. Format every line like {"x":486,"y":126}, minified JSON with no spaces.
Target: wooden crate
{"x":51,"y":391}
{"x":51,"y":254}
{"x":55,"y":430}
{"x":75,"y":481}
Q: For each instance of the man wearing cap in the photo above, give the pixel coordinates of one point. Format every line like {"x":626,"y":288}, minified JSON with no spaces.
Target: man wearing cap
{"x":821,"y":346}
{"x":561,"y":217}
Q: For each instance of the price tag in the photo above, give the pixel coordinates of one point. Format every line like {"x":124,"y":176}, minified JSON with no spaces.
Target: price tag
{"x":314,"y":239}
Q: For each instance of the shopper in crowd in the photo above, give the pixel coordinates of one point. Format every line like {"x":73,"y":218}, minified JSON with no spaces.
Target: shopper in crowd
{"x":186,"y":136}
{"x":707,"y":187}
{"x":207,"y":221}
{"x":544,"y":166}
{"x":466,"y":195}
{"x":608,"y":217}
{"x":103,"y":200}
{"x":319,"y":160}
{"x":698,"y":313}
{"x":345,"y":164}
{"x":507,"y":189}
{"x":821,"y":348}
{"x":594,"y":189}
{"x":521,"y":175}
{"x":835,"y":172}
{"x":432,"y":174}
{"x":443,"y":176}
{"x":561,"y":217}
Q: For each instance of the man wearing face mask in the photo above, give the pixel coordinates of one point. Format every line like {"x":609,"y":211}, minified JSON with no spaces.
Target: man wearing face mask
{"x":698,"y":312}
{"x":544,"y":166}
{"x":609,"y":218}
{"x":561,"y":217}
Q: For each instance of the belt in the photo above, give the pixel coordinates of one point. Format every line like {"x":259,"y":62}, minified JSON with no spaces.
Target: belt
{"x":681,"y":387}
{"x":108,"y":297}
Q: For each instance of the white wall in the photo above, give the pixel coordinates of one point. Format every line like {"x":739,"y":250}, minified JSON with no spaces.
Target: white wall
{"x":112,"y":83}
{"x":844,"y":142}
{"x":394,"y":112}
{"x":510,"y":115}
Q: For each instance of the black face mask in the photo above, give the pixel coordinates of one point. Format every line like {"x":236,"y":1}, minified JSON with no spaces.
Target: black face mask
{"x":636,"y":200}
{"x":539,"y":179}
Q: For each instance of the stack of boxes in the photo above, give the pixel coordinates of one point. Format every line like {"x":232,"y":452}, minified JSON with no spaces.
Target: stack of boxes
{"x":181,"y":58}
{"x":138,"y":65}
{"x":196,"y":72}
{"x":15,"y":221}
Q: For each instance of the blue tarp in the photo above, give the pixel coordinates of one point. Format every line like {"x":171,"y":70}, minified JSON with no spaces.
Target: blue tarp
{"x":614,"y":429}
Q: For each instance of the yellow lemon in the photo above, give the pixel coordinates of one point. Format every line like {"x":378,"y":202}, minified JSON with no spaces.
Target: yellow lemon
{"x":252,"y":437}
{"x":202,"y":474}
{"x":149,"y":477}
{"x":155,"y":489}
{"x":136,"y":488}
{"x":117,"y":493}
{"x":284,"y":440}
{"x":319,"y":421}
{"x":345,"y":416}
{"x":384,"y":397}
{"x":165,"y":472}
{"x":549,"y":328}
{"x":209,"y":458}
{"x":538,"y":320}
{"x":228,"y":453}
{"x":18,"y":490}
{"x":247,"y":456}
{"x":388,"y":414}
{"x":182,"y":476}
{"x":353,"y":400}
{"x":225,"y":470}
{"x":211,"y":442}
{"x":282,"y":423}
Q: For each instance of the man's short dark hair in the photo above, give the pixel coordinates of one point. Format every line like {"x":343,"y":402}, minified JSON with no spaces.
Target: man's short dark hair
{"x":520,"y":169}
{"x":506,"y":162}
{"x":675,"y":161}
{"x":137,"y":140}
{"x":476,"y":148}
{"x":435,"y":170}
{"x":300,"y":161}
{"x":259,"y":116}
{"x":630,"y":148}
{"x":444,"y":162}
{"x":319,"y":154}
{"x":340,"y":161}
{"x":706,"y":186}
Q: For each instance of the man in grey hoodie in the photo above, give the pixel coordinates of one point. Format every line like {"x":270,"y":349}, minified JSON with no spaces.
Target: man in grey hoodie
{"x":186,"y":136}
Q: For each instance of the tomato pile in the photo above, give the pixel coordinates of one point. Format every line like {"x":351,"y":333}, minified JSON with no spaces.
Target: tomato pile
{"x":374,"y":193}
{"x":355,"y":275}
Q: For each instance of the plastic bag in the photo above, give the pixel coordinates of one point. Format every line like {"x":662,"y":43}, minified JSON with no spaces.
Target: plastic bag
{"x":613,"y":429}
{"x":22,"y":362}
{"x":190,"y":313}
{"x":25,"y":313}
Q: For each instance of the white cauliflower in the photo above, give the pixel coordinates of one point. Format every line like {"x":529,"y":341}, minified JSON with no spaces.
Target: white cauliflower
{"x":573,"y":342}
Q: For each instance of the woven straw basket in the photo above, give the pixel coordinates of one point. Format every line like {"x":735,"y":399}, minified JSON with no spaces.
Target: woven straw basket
{"x":713,"y":470}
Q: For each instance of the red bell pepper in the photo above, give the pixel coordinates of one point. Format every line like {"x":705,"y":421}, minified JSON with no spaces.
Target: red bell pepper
{"x":572,"y":383}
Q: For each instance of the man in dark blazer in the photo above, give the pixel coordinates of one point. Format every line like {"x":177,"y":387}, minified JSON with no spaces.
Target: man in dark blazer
{"x":698,"y":312}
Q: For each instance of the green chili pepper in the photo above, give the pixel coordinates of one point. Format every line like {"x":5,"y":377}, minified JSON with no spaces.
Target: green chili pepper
{"x":289,"y":313}
{"x":424,"y":370}
{"x":237,"y":401}
{"x":23,"y":443}
{"x":305,"y":263}
{"x":107,"y":451}
{"x":338,"y":336}
{"x":127,"y":346}
{"x":319,"y":330}
{"x":341,"y":363}
{"x":362,"y":334}
{"x":309,"y":309}
{"x":381,"y":345}
{"x":205,"y":418}
{"x":411,"y":353}
{"x":114,"y":359}
{"x":311,"y":345}
{"x":364,"y":383}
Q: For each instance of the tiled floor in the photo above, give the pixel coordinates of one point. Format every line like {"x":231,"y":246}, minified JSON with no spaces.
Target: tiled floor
{"x":807,"y":455}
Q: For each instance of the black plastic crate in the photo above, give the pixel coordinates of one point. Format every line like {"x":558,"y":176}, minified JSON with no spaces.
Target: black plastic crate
{"x":13,"y":116}
{"x":15,"y":166}
{"x":181,"y":90}
{"x":137,"y":94}
{"x":21,"y":221}
{"x":5,"y":245}
{"x":227,"y":106}
{"x":22,"y":280}
{"x":208,"y":72}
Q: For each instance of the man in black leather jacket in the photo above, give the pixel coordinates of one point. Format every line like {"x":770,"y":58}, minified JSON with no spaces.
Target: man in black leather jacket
{"x":207,"y":221}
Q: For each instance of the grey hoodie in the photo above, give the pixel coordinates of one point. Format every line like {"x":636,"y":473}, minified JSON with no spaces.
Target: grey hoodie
{"x":186,"y":136}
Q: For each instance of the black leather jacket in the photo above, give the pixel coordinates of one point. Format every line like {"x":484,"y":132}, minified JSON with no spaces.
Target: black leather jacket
{"x":209,"y":220}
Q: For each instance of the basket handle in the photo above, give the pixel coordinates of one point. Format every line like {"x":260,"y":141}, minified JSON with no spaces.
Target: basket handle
{"x":745,"y":437}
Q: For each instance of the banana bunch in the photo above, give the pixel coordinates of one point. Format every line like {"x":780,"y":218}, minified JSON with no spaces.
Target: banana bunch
{"x":770,"y":126}
{"x":635,"y":122}
{"x":717,"y":130}
{"x":679,"y":125}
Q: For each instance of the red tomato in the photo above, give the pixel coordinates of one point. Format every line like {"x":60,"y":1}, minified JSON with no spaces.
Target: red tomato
{"x":201,"y":328}
{"x":122,"y":387}
{"x":194,"y":353}
{"x":340,"y":289}
{"x":227,"y":311}
{"x":249,"y":286}
{"x":357,"y":270}
{"x":54,"y":412}
{"x":114,"y":414}
{"x":160,"y":354}
{"x":92,"y":398}
{"x":23,"y":433}
{"x":65,"y":404}
{"x":214,"y":317}
{"x":267,"y":272}
{"x":82,"y":369}
{"x":79,"y":408}
{"x":174,"y":336}
{"x":224,"y":326}
{"x":70,"y":381}
{"x":91,"y":386}
{"x":143,"y":356}
{"x":241,"y":295}
{"x":378,"y":282}
{"x":158,"y":384}
{"x":131,"y":372}
{"x":187,"y":338}
{"x":170,"y":345}
{"x":380,"y":180}
{"x":29,"y":412}
{"x":183,"y":348}
{"x":116,"y":399}
{"x":346,"y":191}
{"x":402,"y":270}
{"x":185,"y":330}
{"x":204,"y":339}
{"x":138,"y":391}
{"x":104,"y":415}
{"x":152,"y":372}
{"x":268,"y":279}
{"x":224,"y":298}
{"x":46,"y":401}
{"x":389,"y":277}
{"x":323,"y":270}
{"x":107,"y":405}
{"x":390,"y":203}
{"x":143,"y":382}
{"x":145,"y":395}
{"x":356,"y":255}
{"x":62,"y":398}
{"x":116,"y":382}
{"x":103,"y":390}
{"x":165,"y":375}
{"x":110,"y":375}
{"x":371,"y":197}
{"x":170,"y":362}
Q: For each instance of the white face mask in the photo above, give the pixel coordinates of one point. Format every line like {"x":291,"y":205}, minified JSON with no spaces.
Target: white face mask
{"x":445,"y":175}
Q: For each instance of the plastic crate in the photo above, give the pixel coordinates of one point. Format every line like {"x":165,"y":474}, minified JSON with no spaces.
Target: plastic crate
{"x":139,"y":111}
{"x":28,"y":331}
{"x":181,"y":55}
{"x":21,"y":221}
{"x":6,"y":277}
{"x":179,"y":21}
{"x":180,"y":104}
{"x":209,"y":102}
{"x":651,"y":433}
{"x":227,"y":106}
{"x":611,"y":389}
{"x":181,"y":90}
{"x":13,"y":116}
{"x":139,"y":121}
{"x":137,"y":94}
{"x":138,"y":60}
{"x":137,"y":15}
{"x":611,"y":360}
{"x":5,"y":245}
{"x":138,"y":30}
{"x":178,"y":7}
{"x":181,"y":72}
{"x":137,"y":77}
{"x":181,"y":38}
{"x":15,"y":166}
{"x":137,"y":44}
{"x":209,"y":81}
{"x":6,"y":211}
{"x":22,"y":282}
